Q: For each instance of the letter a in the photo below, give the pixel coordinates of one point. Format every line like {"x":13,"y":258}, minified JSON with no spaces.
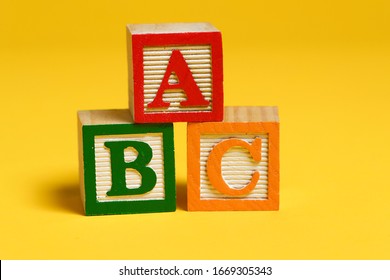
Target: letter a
{"x":186,"y":82}
{"x":119,"y":166}
{"x":214,"y":169}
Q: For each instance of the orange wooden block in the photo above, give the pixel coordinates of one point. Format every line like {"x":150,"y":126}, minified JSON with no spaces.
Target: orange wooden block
{"x":234,"y":164}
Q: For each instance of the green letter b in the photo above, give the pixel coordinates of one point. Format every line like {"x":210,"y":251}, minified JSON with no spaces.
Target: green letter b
{"x":119,"y":166}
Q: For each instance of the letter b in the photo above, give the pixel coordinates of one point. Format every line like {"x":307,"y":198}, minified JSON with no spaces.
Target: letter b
{"x":119,"y":166}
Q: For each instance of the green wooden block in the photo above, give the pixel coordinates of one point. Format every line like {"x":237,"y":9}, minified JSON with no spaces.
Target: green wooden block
{"x":125,"y":167}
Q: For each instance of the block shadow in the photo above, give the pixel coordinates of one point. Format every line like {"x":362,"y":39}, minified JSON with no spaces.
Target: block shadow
{"x":67,"y":197}
{"x":61,"y":195}
{"x":181,"y":195}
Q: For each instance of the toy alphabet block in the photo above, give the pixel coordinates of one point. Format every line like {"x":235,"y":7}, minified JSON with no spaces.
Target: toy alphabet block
{"x":234,"y":164}
{"x":125,"y":167}
{"x":175,"y":72}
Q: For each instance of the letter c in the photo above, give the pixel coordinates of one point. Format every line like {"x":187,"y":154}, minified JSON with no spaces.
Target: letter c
{"x":214,"y":168}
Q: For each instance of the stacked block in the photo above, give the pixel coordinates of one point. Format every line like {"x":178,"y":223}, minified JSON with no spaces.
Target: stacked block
{"x":127,"y":155}
{"x":175,"y":72}
{"x":125,"y":167}
{"x":234,"y":164}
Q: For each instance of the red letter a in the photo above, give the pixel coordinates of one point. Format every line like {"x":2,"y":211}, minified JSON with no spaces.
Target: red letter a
{"x":186,"y":82}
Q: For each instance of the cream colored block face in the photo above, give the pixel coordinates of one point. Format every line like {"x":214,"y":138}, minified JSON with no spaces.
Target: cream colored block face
{"x":133,"y":178}
{"x":237,"y":165}
{"x":155,"y":59}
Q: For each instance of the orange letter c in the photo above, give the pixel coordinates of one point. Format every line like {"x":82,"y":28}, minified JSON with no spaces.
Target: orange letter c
{"x":214,"y":168}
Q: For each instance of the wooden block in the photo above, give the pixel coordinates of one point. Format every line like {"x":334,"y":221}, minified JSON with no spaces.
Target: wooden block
{"x":234,"y":164}
{"x":125,"y":167}
{"x":175,"y":72}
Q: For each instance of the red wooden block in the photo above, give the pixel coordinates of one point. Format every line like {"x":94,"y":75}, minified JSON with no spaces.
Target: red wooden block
{"x":175,"y":72}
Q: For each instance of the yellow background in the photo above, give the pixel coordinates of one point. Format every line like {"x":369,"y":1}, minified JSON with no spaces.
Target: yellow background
{"x":326,"y":64}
